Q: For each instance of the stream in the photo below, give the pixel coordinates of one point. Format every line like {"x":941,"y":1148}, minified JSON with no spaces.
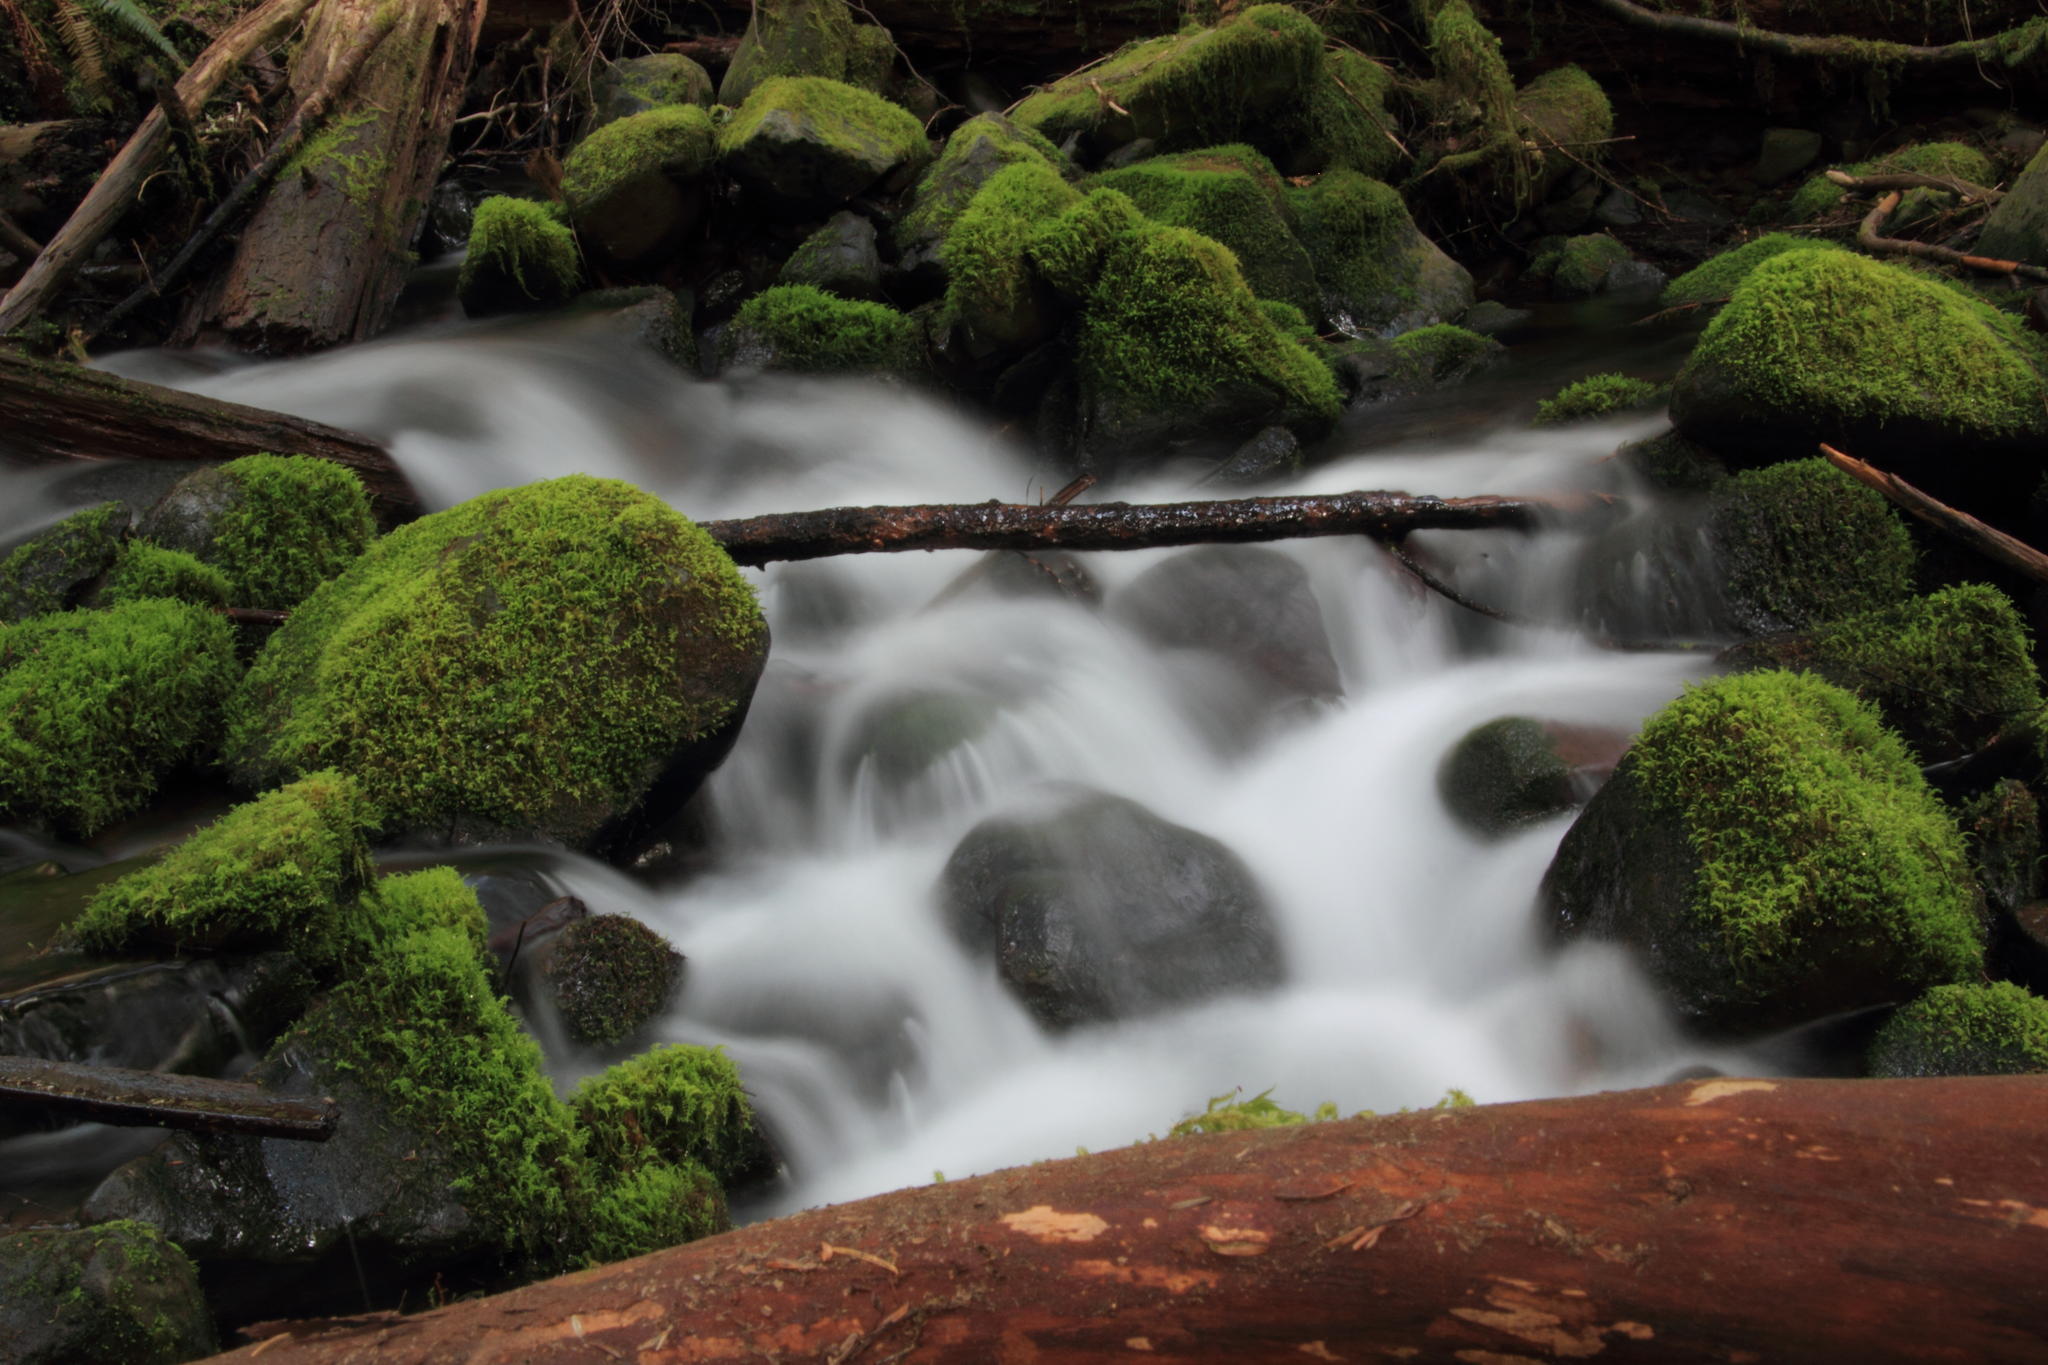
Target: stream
{"x":879,"y":1054}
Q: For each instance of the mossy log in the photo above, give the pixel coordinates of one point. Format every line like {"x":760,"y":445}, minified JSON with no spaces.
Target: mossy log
{"x":1699,"y":1221}
{"x":50,"y":410}
{"x":323,"y":258}
{"x":1755,"y":33}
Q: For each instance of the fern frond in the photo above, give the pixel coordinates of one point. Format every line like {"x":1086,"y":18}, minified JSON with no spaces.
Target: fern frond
{"x":88,"y":53}
{"x":126,"y":14}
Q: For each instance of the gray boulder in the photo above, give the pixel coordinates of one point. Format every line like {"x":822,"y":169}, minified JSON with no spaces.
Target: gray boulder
{"x":839,"y":258}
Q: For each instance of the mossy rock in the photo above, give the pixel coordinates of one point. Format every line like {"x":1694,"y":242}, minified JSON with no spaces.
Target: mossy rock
{"x":1947,"y":671}
{"x":538,"y":662}
{"x":803,"y":329}
{"x":1422,"y":361}
{"x":840,"y":258}
{"x":2003,"y":827}
{"x":1348,"y":120}
{"x":1247,"y":79}
{"x":277,"y":526}
{"x":282,"y":871}
{"x":116,"y":1294}
{"x":1566,"y":115}
{"x":1378,"y":274}
{"x":56,"y":568}
{"x":1232,"y":195}
{"x":993,"y":289}
{"x":806,"y":141}
{"x":1580,"y":267}
{"x":1772,"y":854}
{"x":1802,"y":543}
{"x":976,"y":150}
{"x":1990,"y":1029}
{"x":144,"y":570}
{"x":1875,"y":359}
{"x":97,"y":706}
{"x":634,"y":85}
{"x":610,"y":976}
{"x":1504,"y":776}
{"x":631,"y":186}
{"x":521,"y":258}
{"x":2017,"y":227}
{"x":1597,"y":396}
{"x":675,"y":1104}
{"x":1715,"y":279}
{"x":1819,"y":195}
{"x":803,"y":38}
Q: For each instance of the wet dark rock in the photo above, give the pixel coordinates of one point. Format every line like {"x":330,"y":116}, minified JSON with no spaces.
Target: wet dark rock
{"x":649,"y":316}
{"x":1618,"y":208}
{"x":117,"y":1294}
{"x":637,"y":84}
{"x":609,"y":976}
{"x":1097,"y":909}
{"x":1492,"y":319}
{"x":1785,"y":153}
{"x":805,"y":140}
{"x":54,"y":569}
{"x":1504,"y":776}
{"x":839,"y":258}
{"x":1272,"y":453}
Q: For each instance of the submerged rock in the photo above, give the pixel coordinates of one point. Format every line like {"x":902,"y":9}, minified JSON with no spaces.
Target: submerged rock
{"x":117,"y":1294}
{"x":1100,"y":910}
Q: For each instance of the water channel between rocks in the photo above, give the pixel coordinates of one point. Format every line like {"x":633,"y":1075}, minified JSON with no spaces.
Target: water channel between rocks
{"x":879,"y":1053}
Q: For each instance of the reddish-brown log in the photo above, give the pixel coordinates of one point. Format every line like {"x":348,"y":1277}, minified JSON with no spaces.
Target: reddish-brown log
{"x":1721,"y":1220}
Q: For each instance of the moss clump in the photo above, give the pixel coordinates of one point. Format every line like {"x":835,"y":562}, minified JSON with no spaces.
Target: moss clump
{"x":1578,"y":266}
{"x":1378,"y":274}
{"x":673,"y":1104}
{"x":1567,"y":110}
{"x":433,"y":899}
{"x":1228,"y":1114}
{"x":1292,"y":322}
{"x":1820,"y":194}
{"x":1347,"y":122}
{"x":278,"y":872}
{"x":648,"y":1208}
{"x":530,"y":660}
{"x":801,"y":38}
{"x":675,"y":140}
{"x":2003,"y":827}
{"x":802,"y":328}
{"x":1802,"y":543}
{"x":1233,"y":195}
{"x":51,"y":572}
{"x":278,"y":526}
{"x":1596,"y":396}
{"x":1715,"y":279}
{"x":1443,"y":354}
{"x":113,"y":1294}
{"x":520,"y":256}
{"x":96,"y":706}
{"x":1824,"y":865}
{"x":806,"y":139}
{"x":1466,"y":60}
{"x":1996,"y":1029}
{"x":145,"y":570}
{"x":978,"y":149}
{"x":610,"y":975}
{"x":991,"y":286}
{"x":1068,"y":251}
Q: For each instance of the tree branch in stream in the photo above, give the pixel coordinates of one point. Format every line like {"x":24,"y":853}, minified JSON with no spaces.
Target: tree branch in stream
{"x":108,"y":1094}
{"x":1988,"y":541}
{"x":1694,"y":1221}
{"x":1869,"y":237}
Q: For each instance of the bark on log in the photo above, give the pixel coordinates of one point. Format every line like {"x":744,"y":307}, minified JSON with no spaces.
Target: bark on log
{"x":324,"y":256}
{"x":46,"y":167}
{"x":1129,"y":526}
{"x":1722,"y":1220}
{"x":53,"y":411}
{"x":151,"y":1099}
{"x":1988,"y":541}
{"x":1920,"y":57}
{"x":115,"y":191}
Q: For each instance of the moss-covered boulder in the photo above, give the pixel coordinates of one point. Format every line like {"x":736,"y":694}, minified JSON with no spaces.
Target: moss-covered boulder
{"x":521,"y":258}
{"x":973,"y":154}
{"x":2017,"y":227}
{"x":632,"y":186}
{"x":1233,"y":195}
{"x":1878,"y":360}
{"x":1819,"y":196}
{"x":1422,"y":361}
{"x":1947,"y":671}
{"x":542,"y":661}
{"x":806,"y":38}
{"x":1772,"y":854}
{"x":277,"y":526}
{"x":55,"y":569}
{"x":803,"y":329}
{"x":282,"y":871}
{"x":1348,"y":122}
{"x":1506,"y":775}
{"x":144,"y":570}
{"x":807,"y":141}
{"x":840,"y":258}
{"x":97,"y":706}
{"x":1714,"y":279}
{"x":1378,"y":275}
{"x":634,"y":85}
{"x":1564,"y":116}
{"x":116,"y":1294}
{"x":1580,"y":267}
{"x":675,"y":1104}
{"x":609,"y":976}
{"x":994,"y":290}
{"x":1990,"y":1029}
{"x":1597,"y":396}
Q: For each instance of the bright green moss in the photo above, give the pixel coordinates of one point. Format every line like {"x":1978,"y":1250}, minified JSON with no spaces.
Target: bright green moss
{"x":1993,"y":1029}
{"x":977,"y":149}
{"x":1068,"y":251}
{"x":1596,"y":396}
{"x":651,"y":1207}
{"x":1581,"y":263}
{"x":1228,"y":1114}
{"x":1440,"y":352}
{"x":95,"y":706}
{"x":802,"y":328}
{"x":277,"y":526}
{"x":145,"y":570}
{"x":44,"y":573}
{"x":1819,"y":849}
{"x":1802,"y":543}
{"x":1348,"y":125}
{"x":1820,"y":194}
{"x":1838,"y":337}
{"x":1349,"y":224}
{"x":863,"y":127}
{"x":676,"y":140}
{"x":433,"y":899}
{"x":1714,"y":280}
{"x":519,"y":254}
{"x":674,"y":1104}
{"x":278,"y":872}
{"x":991,"y":286}
{"x":1567,"y":109}
{"x":1234,"y":196}
{"x":1292,"y":322}
{"x":792,"y":38}
{"x":527,"y":661}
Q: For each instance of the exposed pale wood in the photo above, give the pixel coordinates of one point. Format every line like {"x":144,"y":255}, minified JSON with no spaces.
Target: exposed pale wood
{"x":114,"y":192}
{"x":152,"y":1099}
{"x":1986,"y":540}
{"x":1790,"y":1220}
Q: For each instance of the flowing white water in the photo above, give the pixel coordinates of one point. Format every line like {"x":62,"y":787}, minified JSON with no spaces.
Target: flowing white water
{"x":878,"y":1051}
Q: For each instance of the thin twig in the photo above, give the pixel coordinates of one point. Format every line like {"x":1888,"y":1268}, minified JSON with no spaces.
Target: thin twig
{"x":1869,"y":236}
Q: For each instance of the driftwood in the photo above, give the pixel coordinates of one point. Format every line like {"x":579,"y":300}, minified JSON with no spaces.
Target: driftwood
{"x":1988,"y":541}
{"x":199,"y":1104}
{"x":1797,"y":1220}
{"x":1969,"y":53}
{"x":1128,"y":526}
{"x":50,"y":410}
{"x":1869,"y":236}
{"x":115,"y":191}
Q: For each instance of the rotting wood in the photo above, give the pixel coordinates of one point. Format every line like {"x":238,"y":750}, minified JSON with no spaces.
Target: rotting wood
{"x":1133,"y":526}
{"x":51,"y":410}
{"x":1696,"y":1221}
{"x":114,"y":192}
{"x":199,"y":1104}
{"x":1869,"y":236}
{"x":1988,"y":541}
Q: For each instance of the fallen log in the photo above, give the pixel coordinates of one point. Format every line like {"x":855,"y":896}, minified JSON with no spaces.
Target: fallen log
{"x":152,"y":1099}
{"x":1797,"y":1220}
{"x":1132,"y":526}
{"x":1997,"y":50}
{"x":1988,"y":541}
{"x":50,"y":410}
